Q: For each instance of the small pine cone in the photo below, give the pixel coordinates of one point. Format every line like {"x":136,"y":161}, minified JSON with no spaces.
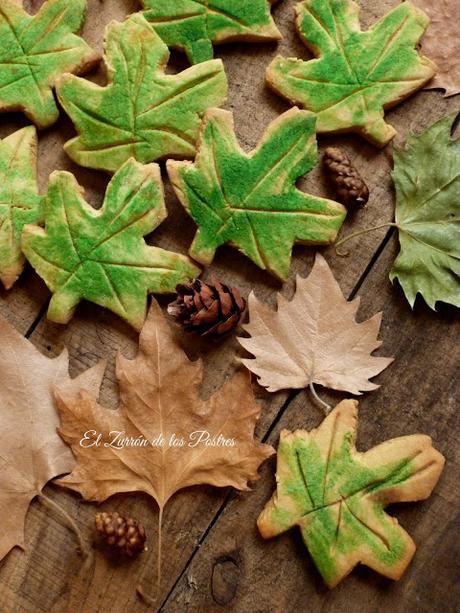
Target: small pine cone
{"x":349,"y":185}
{"x":208,"y":309}
{"x":121,"y":534}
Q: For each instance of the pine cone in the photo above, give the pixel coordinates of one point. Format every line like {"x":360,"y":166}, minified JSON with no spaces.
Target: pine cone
{"x":121,"y":534}
{"x":207,"y":309}
{"x":349,"y":185}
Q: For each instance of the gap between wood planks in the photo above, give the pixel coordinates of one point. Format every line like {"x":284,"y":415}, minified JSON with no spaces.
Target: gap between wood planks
{"x":291,"y":397}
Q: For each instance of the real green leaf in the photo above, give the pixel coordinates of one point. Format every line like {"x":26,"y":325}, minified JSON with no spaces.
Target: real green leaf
{"x":356,"y":74}
{"x":20,"y":203}
{"x":251,"y":200}
{"x":143,"y":112}
{"x":100,"y":255}
{"x":427,"y":180}
{"x":35,"y":51}
{"x":337,"y":495}
{"x":194,"y":25}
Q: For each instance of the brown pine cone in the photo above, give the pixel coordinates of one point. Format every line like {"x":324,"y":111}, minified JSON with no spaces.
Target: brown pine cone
{"x":121,"y":534}
{"x":208,"y":309}
{"x":349,"y":185}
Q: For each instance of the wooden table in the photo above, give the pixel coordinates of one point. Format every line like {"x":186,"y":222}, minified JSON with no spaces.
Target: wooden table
{"x":214,"y":558}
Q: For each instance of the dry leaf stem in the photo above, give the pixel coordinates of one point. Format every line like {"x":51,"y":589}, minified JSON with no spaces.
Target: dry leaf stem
{"x":68,"y":521}
{"x":359,"y":233}
{"x":324,"y":405}
{"x":150,"y":600}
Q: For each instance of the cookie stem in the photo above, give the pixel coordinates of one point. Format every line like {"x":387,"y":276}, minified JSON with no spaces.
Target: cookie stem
{"x":359,"y":233}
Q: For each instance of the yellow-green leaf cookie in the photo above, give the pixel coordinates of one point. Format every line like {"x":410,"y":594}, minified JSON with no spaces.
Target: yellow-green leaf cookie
{"x":20,"y":203}
{"x":251,"y":201}
{"x":337,"y":495}
{"x":35,"y":51}
{"x":357,"y":75}
{"x":100,"y":255}
{"x":194,"y":25}
{"x":143,"y":112}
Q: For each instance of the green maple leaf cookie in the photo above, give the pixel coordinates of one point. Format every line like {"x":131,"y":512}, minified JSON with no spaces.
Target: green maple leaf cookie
{"x":20,"y":203}
{"x":194,"y":25}
{"x":101,"y":256}
{"x":251,"y":201}
{"x":143,"y":112}
{"x":35,"y":51}
{"x":337,"y":495}
{"x":427,"y":179}
{"x":357,"y":74}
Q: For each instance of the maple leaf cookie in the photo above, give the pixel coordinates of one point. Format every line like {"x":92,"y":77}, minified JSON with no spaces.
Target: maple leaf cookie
{"x":35,"y":51}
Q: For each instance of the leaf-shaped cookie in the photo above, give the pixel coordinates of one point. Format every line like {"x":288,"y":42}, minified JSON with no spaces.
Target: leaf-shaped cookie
{"x":356,"y":74}
{"x":35,"y":51}
{"x":427,"y":179}
{"x":314,"y":338}
{"x":100,"y":255}
{"x":143,"y":112}
{"x":19,"y":200}
{"x":251,"y":201}
{"x":194,"y":25}
{"x":31,"y":451}
{"x":337,"y":495}
{"x":442,"y":43}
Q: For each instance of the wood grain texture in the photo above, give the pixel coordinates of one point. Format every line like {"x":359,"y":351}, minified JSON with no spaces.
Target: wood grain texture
{"x":214,"y":559}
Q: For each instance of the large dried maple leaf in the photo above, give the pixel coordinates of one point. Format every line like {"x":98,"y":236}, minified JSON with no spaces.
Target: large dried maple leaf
{"x":194,"y":25}
{"x":142,"y":112}
{"x":337,"y":495}
{"x":35,"y":51}
{"x":159,"y":393}
{"x":31,"y":451}
{"x":356,"y":74}
{"x":314,"y":338}
{"x":251,"y":200}
{"x":441,"y":43}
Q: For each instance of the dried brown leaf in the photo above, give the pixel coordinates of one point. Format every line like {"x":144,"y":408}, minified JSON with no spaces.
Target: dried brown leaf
{"x":314,"y":338}
{"x":159,"y":394}
{"x":441,"y":43}
{"x":31,"y":451}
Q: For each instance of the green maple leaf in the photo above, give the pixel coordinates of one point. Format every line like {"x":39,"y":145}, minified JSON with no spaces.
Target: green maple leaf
{"x":143,"y":112}
{"x":101,"y":256}
{"x":194,"y":25}
{"x":337,"y":495}
{"x":427,"y":179}
{"x":251,"y":200}
{"x":20,"y":203}
{"x":35,"y":51}
{"x":357,"y":74}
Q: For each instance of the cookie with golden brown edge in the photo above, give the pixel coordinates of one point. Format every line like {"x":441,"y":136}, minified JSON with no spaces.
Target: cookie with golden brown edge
{"x":251,"y":200}
{"x":101,"y":255}
{"x":337,"y":495}
{"x":356,"y":74}
{"x":142,"y":112}
{"x":194,"y":26}
{"x":35,"y":51}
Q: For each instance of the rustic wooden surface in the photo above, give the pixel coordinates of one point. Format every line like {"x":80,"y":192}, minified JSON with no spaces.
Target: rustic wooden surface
{"x":214,"y":558}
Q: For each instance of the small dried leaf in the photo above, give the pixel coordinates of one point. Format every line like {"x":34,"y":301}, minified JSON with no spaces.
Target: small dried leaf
{"x":314,"y":338}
